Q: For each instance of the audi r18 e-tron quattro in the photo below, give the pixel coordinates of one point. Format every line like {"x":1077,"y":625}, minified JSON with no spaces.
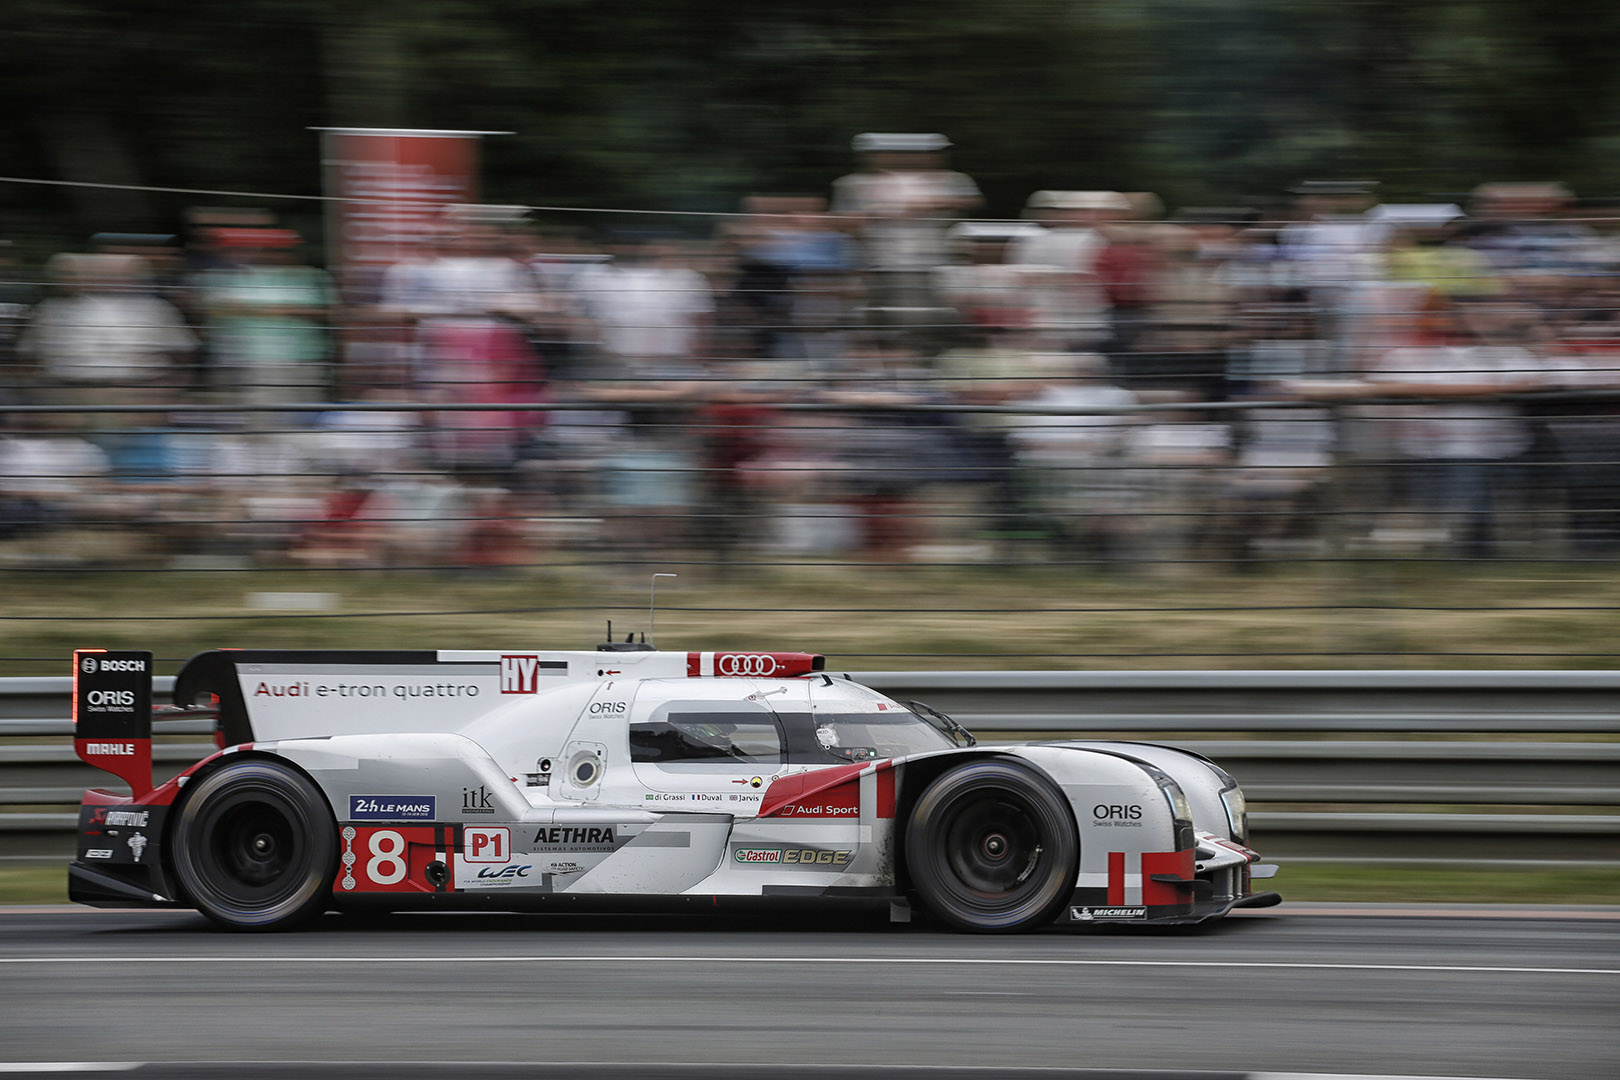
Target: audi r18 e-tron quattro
{"x":518,"y":780}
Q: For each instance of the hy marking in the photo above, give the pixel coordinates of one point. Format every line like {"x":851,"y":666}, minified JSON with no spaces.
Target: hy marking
{"x":864,"y":960}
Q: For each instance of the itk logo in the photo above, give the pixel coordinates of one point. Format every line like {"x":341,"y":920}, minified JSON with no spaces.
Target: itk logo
{"x":520,"y":674}
{"x":476,"y":801}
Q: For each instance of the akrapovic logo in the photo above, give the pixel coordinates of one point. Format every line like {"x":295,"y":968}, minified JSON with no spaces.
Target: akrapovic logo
{"x":392,"y":807}
{"x":128,"y":817}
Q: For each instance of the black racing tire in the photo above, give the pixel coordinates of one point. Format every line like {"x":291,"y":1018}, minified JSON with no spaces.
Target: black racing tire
{"x":255,"y":846}
{"x":992,"y":847}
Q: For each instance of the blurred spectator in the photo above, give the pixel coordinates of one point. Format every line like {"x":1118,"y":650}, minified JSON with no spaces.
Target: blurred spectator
{"x":651,"y":312}
{"x":102,"y":338}
{"x":1183,"y":346}
{"x":1074,"y":457}
{"x":269,"y":320}
{"x":790,"y":289}
{"x":998,"y":365}
{"x":48,"y":478}
{"x":1459,"y":456}
{"x":473,"y":302}
{"x":981,"y":283}
{"x":1585,"y":432}
{"x":1519,"y":228}
{"x":1070,"y":298}
{"x":1177,"y":461}
{"x":17,"y":297}
{"x":902,"y":201}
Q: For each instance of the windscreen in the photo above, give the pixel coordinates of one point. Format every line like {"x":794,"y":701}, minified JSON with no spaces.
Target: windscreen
{"x":827,"y":736}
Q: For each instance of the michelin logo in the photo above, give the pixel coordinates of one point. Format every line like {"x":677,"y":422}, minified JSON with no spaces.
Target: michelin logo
{"x":1091,"y":914}
{"x":392,"y":808}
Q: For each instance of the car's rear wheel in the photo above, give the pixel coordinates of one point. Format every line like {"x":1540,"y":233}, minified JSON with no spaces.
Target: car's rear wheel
{"x":991,"y":846}
{"x":255,"y":846}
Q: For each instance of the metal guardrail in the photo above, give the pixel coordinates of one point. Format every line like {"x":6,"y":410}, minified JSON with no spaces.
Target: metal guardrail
{"x":1442,"y":799}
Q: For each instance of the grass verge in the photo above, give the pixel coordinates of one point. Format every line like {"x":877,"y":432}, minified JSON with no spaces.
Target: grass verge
{"x":1389,"y":884}
{"x":34,"y":884}
{"x":866,"y":618}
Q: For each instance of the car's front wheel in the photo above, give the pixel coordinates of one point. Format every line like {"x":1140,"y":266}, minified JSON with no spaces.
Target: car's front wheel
{"x":255,"y":846}
{"x":991,"y":846}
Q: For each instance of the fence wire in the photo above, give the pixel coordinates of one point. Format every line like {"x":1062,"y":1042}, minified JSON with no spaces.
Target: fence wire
{"x":1109,"y":399}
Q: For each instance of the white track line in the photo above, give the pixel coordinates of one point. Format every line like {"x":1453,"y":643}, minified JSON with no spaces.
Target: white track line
{"x":867,"y":960}
{"x":833,"y":1068}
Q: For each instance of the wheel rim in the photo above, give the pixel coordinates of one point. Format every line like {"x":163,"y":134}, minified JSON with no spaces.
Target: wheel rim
{"x":255,"y":849}
{"x":253,"y":844}
{"x":994,"y":847}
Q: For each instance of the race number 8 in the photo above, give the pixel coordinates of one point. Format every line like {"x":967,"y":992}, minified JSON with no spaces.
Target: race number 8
{"x":386,"y":865}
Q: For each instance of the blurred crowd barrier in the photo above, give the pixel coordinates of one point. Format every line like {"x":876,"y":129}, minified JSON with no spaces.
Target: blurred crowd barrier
{"x":872,"y":375}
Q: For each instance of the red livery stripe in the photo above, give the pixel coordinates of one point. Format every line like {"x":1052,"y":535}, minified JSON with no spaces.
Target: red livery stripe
{"x":1116,"y":879}
{"x":1179,"y":863}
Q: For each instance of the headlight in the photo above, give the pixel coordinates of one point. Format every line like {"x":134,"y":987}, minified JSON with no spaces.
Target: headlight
{"x":1237,"y":813}
{"x":1180,"y":808}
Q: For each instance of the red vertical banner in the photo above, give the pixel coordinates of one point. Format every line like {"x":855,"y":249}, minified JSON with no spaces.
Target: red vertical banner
{"x":389,"y":187}
{"x":388,"y":190}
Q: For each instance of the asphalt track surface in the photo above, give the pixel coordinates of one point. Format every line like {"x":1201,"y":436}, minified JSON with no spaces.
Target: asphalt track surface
{"x":1415,"y":991}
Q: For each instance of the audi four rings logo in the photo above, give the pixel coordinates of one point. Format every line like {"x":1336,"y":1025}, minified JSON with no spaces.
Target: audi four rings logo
{"x":745,"y":664}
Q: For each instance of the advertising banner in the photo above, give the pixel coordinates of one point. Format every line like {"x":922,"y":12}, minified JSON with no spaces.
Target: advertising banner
{"x":390,"y":187}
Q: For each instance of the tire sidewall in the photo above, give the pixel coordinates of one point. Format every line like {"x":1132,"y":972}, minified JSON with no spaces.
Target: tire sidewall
{"x":945,"y":896}
{"x":290,"y":793}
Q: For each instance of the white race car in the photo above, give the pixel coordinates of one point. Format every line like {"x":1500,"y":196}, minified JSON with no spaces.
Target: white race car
{"x":519,"y":780}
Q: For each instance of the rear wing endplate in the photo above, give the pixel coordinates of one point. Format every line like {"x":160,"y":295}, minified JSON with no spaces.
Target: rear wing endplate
{"x":112,"y":714}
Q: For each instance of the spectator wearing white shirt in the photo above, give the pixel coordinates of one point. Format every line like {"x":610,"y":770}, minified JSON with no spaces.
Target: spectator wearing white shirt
{"x":651,"y":312}
{"x":1461,"y":453}
{"x":104,"y":339}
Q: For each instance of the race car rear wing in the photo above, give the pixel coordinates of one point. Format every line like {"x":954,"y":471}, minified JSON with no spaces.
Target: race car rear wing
{"x":113,"y":714}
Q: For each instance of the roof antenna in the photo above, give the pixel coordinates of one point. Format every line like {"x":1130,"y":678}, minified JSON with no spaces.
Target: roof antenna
{"x":652,"y":608}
